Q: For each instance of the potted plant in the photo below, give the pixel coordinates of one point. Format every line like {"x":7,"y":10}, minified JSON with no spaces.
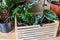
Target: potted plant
{"x":45,"y":23}
{"x":5,"y":25}
{"x":6,"y":15}
{"x":26,"y":15}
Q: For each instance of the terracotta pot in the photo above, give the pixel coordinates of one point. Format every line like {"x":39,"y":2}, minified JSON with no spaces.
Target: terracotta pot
{"x":55,"y":6}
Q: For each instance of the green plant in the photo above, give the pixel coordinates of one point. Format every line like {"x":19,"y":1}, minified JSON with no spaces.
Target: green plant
{"x":10,"y":3}
{"x":4,"y":15}
{"x":24,"y":13}
{"x":48,"y":14}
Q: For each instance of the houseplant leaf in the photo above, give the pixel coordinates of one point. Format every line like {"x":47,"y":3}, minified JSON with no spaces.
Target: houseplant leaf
{"x":50,"y":15}
{"x":17,"y":11}
{"x":9,"y":3}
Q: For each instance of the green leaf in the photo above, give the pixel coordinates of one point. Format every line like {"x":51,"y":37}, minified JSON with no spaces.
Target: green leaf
{"x":50,"y":15}
{"x":10,"y":3}
{"x":27,"y":18}
{"x":17,"y":10}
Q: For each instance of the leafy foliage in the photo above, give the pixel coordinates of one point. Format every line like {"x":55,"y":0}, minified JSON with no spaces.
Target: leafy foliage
{"x":23,"y":11}
{"x":9,"y":3}
{"x":49,"y":14}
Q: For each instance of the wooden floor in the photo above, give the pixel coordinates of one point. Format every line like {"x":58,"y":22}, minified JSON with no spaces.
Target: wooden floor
{"x":10,"y":35}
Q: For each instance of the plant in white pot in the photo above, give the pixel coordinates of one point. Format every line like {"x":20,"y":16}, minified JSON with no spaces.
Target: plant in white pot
{"x":34,"y":26}
{"x":37,"y":26}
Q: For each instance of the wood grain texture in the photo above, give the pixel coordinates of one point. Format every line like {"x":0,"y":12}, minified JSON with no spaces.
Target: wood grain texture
{"x":10,"y":35}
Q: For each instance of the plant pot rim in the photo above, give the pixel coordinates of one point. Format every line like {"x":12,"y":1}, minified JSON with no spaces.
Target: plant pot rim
{"x":48,"y":24}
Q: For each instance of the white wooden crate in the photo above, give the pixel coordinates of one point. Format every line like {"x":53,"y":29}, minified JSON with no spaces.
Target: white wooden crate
{"x":36,"y":32}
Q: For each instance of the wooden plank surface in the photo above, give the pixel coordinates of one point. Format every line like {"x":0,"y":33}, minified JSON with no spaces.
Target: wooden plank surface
{"x":10,"y":35}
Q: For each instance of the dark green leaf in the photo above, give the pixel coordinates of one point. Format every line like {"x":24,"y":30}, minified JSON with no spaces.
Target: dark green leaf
{"x":50,"y":15}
